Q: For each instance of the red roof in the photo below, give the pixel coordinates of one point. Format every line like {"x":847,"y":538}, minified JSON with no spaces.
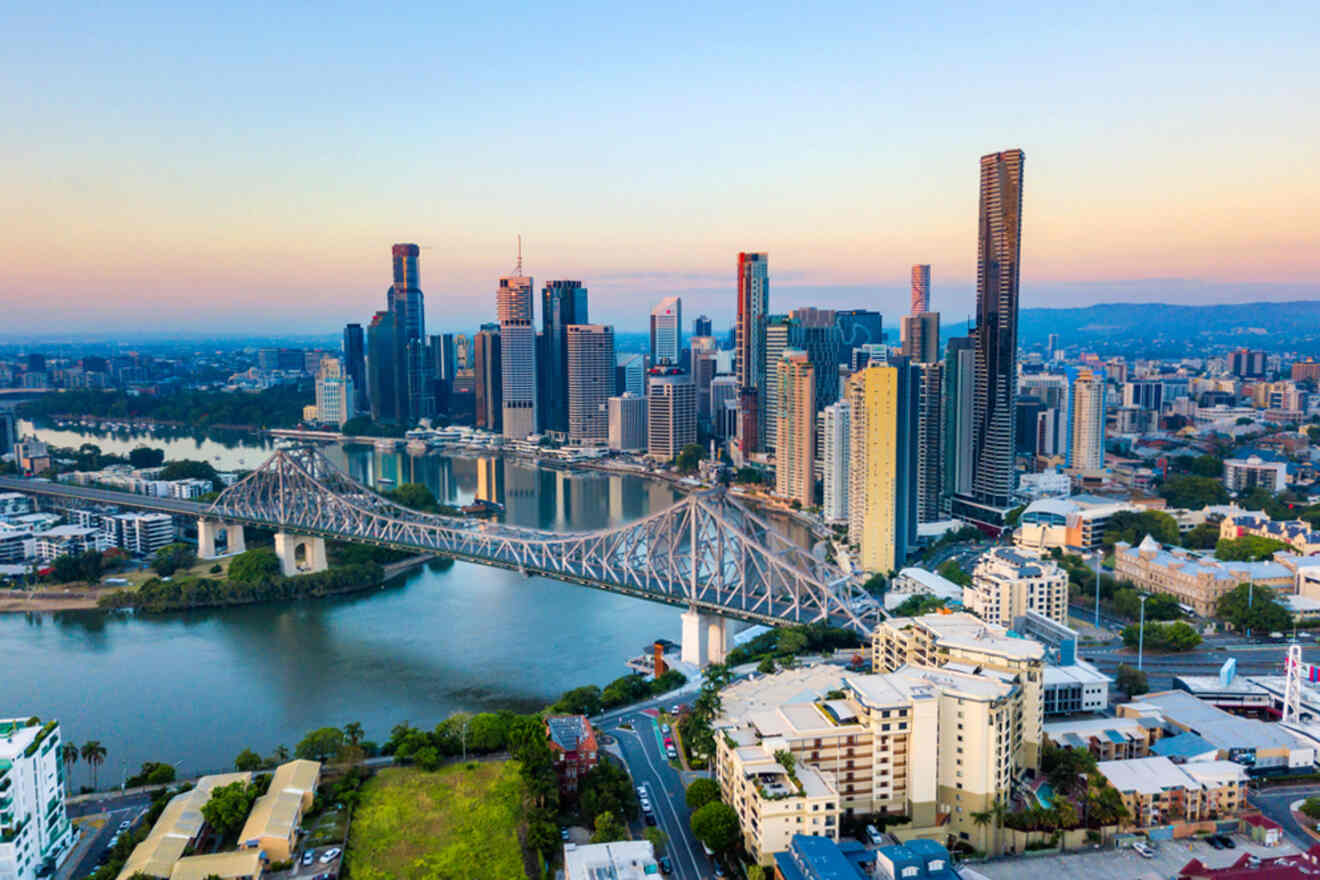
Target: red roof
{"x":1261,"y":822}
{"x":1296,"y":867}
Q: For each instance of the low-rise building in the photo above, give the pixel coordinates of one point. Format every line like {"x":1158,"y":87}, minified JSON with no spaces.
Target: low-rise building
{"x":914,"y":860}
{"x":272,"y":826}
{"x":1108,"y":739}
{"x":1296,"y":533}
{"x":1195,"y":581}
{"x":14,"y":504}
{"x":911,"y":582}
{"x":142,"y":533}
{"x":1073,"y":525}
{"x":621,"y":860}
{"x":822,"y":858}
{"x":68,"y":541}
{"x":1077,"y":687}
{"x":178,"y":828}
{"x":35,"y":834}
{"x":573,"y":743}
{"x":1255,"y":472}
{"x":1008,"y":583}
{"x":1157,"y":791}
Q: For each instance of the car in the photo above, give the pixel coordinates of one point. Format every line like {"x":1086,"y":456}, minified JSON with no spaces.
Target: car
{"x":646,"y":805}
{"x":873,"y":835}
{"x":665,"y":729}
{"x":563,"y":834}
{"x":1215,"y":842}
{"x":329,"y":855}
{"x":125,"y":825}
{"x":666,"y":866}
{"x":1227,"y":841}
{"x":1144,"y":851}
{"x":650,"y":818}
{"x":675,"y":709}
{"x":308,"y":858}
{"x":641,"y":791}
{"x":719,"y":871}
{"x":669,"y":741}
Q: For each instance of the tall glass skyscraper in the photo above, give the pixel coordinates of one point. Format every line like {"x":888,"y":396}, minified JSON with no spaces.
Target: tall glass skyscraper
{"x":563,"y":304}
{"x":355,"y":365}
{"x":517,"y":354}
{"x":995,"y":383}
{"x":749,"y":356}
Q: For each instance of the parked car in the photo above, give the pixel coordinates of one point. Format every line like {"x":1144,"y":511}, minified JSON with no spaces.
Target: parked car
{"x":650,"y":818}
{"x":1215,"y":842}
{"x":665,"y":729}
{"x":675,"y":709}
{"x":873,"y":835}
{"x":563,"y":834}
{"x":308,"y":858}
{"x":666,"y":866}
{"x":646,"y":805}
{"x":641,"y":790}
{"x":1227,"y":841}
{"x":1144,"y":851}
{"x":330,"y":855}
{"x":125,"y":825}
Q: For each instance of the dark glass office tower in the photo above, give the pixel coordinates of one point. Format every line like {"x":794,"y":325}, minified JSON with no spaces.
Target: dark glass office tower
{"x":355,"y":365}
{"x":995,"y":383}
{"x":407,"y":305}
{"x":383,"y":362}
{"x":562,"y":303}
{"x":488,"y":375}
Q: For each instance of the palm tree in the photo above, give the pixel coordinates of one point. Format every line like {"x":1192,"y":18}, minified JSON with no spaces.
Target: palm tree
{"x":353,"y":731}
{"x":69,"y":755}
{"x":281,"y":754}
{"x":94,"y":754}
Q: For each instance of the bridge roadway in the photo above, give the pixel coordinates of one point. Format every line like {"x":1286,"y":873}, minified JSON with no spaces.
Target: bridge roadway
{"x":103,"y":496}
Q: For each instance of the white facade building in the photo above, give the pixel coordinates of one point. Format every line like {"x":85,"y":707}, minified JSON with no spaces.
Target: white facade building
{"x":143,"y":533}
{"x":36,"y":832}
{"x":517,"y":355}
{"x":667,"y":331}
{"x":836,"y":447}
{"x":671,"y":415}
{"x":628,"y":422}
{"x":334,"y":393}
{"x":1008,"y":583}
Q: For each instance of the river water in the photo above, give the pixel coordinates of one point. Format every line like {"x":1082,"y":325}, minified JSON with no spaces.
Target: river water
{"x":195,"y":688}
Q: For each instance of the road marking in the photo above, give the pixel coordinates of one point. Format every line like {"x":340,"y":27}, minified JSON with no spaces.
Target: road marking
{"x":688,"y":846}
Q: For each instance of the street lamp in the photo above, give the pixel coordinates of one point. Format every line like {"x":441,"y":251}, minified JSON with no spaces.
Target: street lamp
{"x":1097,"y":589}
{"x":1251,"y":592}
{"x":1141,"y":632}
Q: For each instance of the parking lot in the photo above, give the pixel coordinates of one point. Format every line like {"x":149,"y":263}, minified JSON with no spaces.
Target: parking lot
{"x":1125,"y":864}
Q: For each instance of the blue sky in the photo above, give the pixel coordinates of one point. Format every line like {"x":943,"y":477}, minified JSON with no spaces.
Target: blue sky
{"x":235,"y":165}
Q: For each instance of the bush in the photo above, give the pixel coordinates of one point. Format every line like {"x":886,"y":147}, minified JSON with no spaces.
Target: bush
{"x":1311,"y":807}
{"x":172,"y":557}
{"x":1172,"y":637}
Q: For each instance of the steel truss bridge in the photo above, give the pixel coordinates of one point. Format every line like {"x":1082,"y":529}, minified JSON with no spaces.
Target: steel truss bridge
{"x":705,"y":552}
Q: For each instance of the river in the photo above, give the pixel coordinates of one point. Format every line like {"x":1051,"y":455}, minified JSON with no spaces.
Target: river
{"x":195,"y":688}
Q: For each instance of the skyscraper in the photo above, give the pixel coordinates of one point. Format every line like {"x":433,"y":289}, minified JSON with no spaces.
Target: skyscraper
{"x":836,"y":442}
{"x":671,"y":412}
{"x":355,"y":365}
{"x":930,"y":440}
{"x":488,"y":378}
{"x":749,"y":347}
{"x":1086,"y":451}
{"x":816,"y":331}
{"x":383,"y":364}
{"x":998,"y":254}
{"x":959,"y":384}
{"x":667,"y":331}
{"x":563,"y":303}
{"x":920,"y":290}
{"x":407,"y":304}
{"x":590,"y":349}
{"x":334,"y":393}
{"x":777,"y":329}
{"x":873,"y":477}
{"x":795,"y":455}
{"x":627,"y":422}
{"x":701,"y":326}
{"x":921,"y":337}
{"x":513,"y":307}
{"x":443,"y":357}
{"x":705,"y":362}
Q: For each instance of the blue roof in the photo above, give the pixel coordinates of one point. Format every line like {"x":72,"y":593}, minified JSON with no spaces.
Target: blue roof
{"x":1183,"y":745}
{"x":815,"y":858}
{"x":1116,"y":737}
{"x":933,"y":854}
{"x":1074,"y":741}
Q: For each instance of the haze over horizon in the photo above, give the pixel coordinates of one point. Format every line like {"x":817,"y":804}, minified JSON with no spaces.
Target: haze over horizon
{"x":246,"y":170}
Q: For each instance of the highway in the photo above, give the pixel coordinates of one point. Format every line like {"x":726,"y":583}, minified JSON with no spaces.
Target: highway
{"x":102,"y":496}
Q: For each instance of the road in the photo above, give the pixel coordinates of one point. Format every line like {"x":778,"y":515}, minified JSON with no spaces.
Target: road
{"x":1273,"y":802}
{"x":643,"y":752}
{"x":83,"y":860}
{"x":102,"y":496}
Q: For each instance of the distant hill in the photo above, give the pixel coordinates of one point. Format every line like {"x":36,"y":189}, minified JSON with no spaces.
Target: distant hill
{"x":1169,"y":329}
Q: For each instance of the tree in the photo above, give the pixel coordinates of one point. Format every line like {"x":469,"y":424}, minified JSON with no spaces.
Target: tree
{"x":608,"y":829}
{"x":320,"y":744}
{"x":1159,"y":606}
{"x":748,"y":476}
{"x":917,"y":605}
{"x":689,"y":457}
{"x":90,"y":564}
{"x":353,"y":732}
{"x":792,"y":641}
{"x":68,"y":755}
{"x":247,"y":761}
{"x":952,"y":571}
{"x":1193,"y":492}
{"x":1130,"y":680}
{"x":1311,"y":807}
{"x":583,"y":700}
{"x":255,"y":566}
{"x":1012,"y":517}
{"x":702,"y":792}
{"x":1130,"y":526}
{"x":172,"y":557}
{"x":716,"y":825}
{"x":1248,"y":548}
{"x":1175,"y":637}
{"x":1203,"y":536}
{"x":94,"y":754}
{"x":415,"y":496}
{"x":607,"y":788}
{"x":659,"y":840}
{"x":766,"y":666}
{"x":281,"y":754}
{"x":186,"y":469}
{"x":146,"y":457}
{"x":1255,"y":608}
{"x":228,"y":807}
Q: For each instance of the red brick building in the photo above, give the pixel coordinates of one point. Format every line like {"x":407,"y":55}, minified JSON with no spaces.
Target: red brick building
{"x":573,"y":742}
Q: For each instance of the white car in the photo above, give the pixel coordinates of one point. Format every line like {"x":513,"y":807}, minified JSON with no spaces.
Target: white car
{"x":641,"y":791}
{"x":1144,"y":851}
{"x":329,"y":855}
{"x":308,"y":858}
{"x":125,"y":825}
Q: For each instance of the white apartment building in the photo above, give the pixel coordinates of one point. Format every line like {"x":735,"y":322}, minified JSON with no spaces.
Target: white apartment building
{"x":35,"y":833}
{"x":1007,"y":583}
{"x":143,"y":533}
{"x":936,"y":745}
{"x":68,"y":541}
{"x":1245,"y":474}
{"x":836,"y":446}
{"x":671,"y":414}
{"x":14,"y":504}
{"x":334,"y":393}
{"x":627,"y":414}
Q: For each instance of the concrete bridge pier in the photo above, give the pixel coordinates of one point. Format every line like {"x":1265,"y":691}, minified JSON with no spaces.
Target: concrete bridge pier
{"x":208,"y":530}
{"x":300,"y":554}
{"x":705,"y":638}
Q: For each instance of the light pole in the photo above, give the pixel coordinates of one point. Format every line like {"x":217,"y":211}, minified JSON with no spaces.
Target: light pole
{"x":1251,"y":593}
{"x":464,"y":739}
{"x":1141,"y":633}
{"x":1097,"y":589}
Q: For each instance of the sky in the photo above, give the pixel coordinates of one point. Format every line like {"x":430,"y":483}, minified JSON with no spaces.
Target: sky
{"x":245,"y":166}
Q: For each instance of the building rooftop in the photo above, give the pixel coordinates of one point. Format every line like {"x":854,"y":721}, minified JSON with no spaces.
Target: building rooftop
{"x":1183,"y":745}
{"x":568,"y":732}
{"x":964,"y":630}
{"x":241,"y":863}
{"x":1144,"y":775}
{"x":815,"y":858}
{"x":179,"y":823}
{"x":1079,"y":672}
{"x":1214,"y":724}
{"x":622,"y":860}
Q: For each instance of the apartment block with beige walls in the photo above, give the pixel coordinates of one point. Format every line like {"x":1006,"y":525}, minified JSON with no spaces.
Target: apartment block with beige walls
{"x":1006,"y":583}
{"x":773,"y":802}
{"x":1157,"y":791}
{"x":936,"y":745}
{"x":872,"y":476}
{"x":963,"y":641}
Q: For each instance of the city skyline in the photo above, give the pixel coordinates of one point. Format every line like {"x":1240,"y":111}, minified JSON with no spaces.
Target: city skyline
{"x":279,"y":179}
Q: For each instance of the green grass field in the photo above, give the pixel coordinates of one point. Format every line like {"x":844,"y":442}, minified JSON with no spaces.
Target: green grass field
{"x":456,"y":823}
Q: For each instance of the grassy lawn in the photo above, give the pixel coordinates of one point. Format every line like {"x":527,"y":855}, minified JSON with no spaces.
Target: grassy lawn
{"x":202,"y":568}
{"x":327,"y":828}
{"x":454,"y":823}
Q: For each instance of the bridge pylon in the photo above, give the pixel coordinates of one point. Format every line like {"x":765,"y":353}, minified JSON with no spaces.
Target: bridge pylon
{"x":705,"y":638}
{"x":287,"y":547}
{"x":210,"y":529}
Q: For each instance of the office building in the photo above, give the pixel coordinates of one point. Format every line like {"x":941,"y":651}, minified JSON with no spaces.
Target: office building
{"x":1028,"y":409}
{"x":1007,"y":583}
{"x":627,"y":417}
{"x":8,"y":431}
{"x":1247,"y":364}
{"x":995,"y":380}
{"x":443,"y":356}
{"x":1254,"y":471}
{"x":857,"y":328}
{"x":921,"y":337}
{"x":882,"y":477}
{"x":795,"y":456}
{"x":590,"y":382}
{"x":920,"y":290}
{"x":1087,"y":409}
{"x":630,"y":374}
{"x":462,"y":352}
{"x":519,"y":391}
{"x":930,"y":439}
{"x":749,"y":348}
{"x":384,"y":383}
{"x":704,"y":360}
{"x":563,"y":304}
{"x":671,"y":412}
{"x":836,"y":443}
{"x":37,"y":836}
{"x":488,"y":378}
{"x":407,"y":305}
{"x":334,"y":393}
{"x":1051,"y":345}
{"x":667,"y":331}
{"x":776,"y":343}
{"x":723,"y":392}
{"x":701,"y":326}
{"x":355,"y":366}
{"x":816,"y":331}
{"x":1195,"y":581}
{"x":959,"y":387}
{"x":142,"y":534}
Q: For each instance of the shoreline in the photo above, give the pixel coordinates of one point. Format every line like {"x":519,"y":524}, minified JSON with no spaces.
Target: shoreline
{"x":87,"y":599}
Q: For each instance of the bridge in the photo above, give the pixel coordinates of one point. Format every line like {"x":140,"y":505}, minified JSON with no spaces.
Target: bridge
{"x":705,"y":553}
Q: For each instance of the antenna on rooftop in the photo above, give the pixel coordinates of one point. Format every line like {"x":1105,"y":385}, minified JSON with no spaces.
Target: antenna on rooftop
{"x":1292,"y":688}
{"x":517,"y":269}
